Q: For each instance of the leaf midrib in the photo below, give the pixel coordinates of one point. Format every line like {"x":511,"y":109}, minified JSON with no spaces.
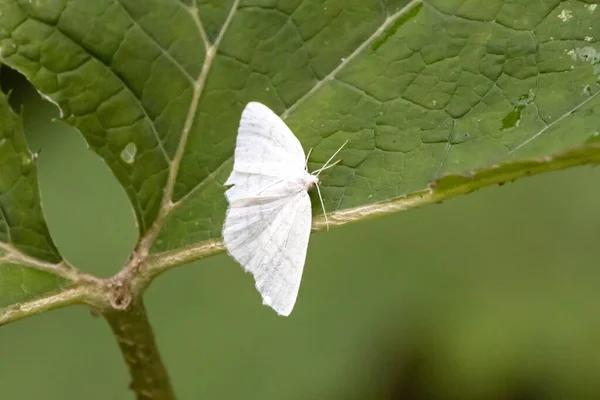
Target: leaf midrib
{"x":167,"y":205}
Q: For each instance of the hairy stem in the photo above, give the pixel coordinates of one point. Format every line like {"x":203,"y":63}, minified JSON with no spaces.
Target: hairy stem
{"x":149,"y":378}
{"x":66,"y":297}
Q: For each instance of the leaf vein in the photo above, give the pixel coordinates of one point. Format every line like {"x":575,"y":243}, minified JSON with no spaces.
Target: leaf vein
{"x":387,"y":23}
{"x":163,"y":51}
{"x":556,"y":121}
{"x":167,"y":204}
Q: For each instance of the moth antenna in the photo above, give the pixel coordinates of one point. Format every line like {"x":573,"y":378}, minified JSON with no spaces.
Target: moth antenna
{"x":306,"y":162}
{"x":324,"y":168}
{"x":330,"y":158}
{"x":322,"y":206}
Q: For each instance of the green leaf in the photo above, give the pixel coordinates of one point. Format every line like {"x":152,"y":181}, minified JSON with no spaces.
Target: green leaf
{"x":422,"y":89}
{"x":19,"y":283}
{"x":24,"y":236}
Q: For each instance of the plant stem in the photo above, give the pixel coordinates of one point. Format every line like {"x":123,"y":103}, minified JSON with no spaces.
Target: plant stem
{"x":149,"y":378}
{"x":69,"y":296}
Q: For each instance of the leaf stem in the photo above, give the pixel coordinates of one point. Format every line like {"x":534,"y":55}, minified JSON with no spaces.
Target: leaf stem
{"x":73,"y":295}
{"x":156,"y":264}
{"x":62,"y":269}
{"x":149,"y":378}
{"x":439,"y":190}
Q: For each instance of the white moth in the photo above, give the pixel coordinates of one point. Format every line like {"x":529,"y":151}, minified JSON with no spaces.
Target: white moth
{"x":269,"y":217}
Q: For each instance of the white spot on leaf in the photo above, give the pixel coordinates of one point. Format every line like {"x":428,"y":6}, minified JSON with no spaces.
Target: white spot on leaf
{"x":565,"y":15}
{"x":587,"y":54}
{"x":129,"y":152}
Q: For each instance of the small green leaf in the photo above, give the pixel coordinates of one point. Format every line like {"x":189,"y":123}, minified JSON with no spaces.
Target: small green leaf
{"x":23,"y":231}
{"x":422,"y":89}
{"x":19,"y":283}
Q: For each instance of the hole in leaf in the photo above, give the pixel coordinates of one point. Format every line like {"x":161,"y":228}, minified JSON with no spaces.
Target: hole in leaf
{"x":87,"y":211}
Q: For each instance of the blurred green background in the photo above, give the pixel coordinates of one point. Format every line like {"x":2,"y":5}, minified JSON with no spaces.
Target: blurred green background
{"x":493,"y":295}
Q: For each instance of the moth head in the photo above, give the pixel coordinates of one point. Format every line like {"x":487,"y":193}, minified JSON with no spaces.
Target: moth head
{"x":311,"y":180}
